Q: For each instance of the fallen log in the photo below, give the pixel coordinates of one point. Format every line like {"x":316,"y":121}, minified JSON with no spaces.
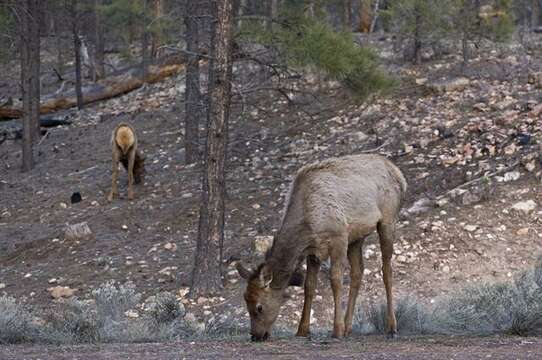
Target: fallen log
{"x":105,"y":89}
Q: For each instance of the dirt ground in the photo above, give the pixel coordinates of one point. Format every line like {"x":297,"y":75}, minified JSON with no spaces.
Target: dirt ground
{"x":430,"y":348}
{"x":150,"y":241}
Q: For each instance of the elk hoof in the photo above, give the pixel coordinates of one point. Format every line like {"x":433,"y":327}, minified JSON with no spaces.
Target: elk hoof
{"x":391,"y":335}
{"x":111,"y":196}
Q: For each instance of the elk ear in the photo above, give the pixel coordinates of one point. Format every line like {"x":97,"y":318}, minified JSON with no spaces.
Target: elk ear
{"x":243,"y":271}
{"x":297,"y":279}
{"x":265,"y":276}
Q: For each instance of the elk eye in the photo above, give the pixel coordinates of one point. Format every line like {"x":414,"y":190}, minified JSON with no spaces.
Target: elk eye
{"x":259,"y":308}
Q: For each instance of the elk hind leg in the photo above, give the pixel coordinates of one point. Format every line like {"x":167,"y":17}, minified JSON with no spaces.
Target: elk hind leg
{"x":131,"y":161}
{"x":355,"y":259}
{"x":386,"y":233}
{"x":338,"y":258}
{"x":114,"y":174}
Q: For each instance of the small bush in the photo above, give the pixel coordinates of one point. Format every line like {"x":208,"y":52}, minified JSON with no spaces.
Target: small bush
{"x":411,"y":318}
{"x":166,"y":308}
{"x":16,"y":323}
{"x":502,"y":308}
{"x":75,"y":322}
{"x":112,"y":301}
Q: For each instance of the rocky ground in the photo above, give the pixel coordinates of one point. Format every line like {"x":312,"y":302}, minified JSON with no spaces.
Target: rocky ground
{"x":468,"y":147}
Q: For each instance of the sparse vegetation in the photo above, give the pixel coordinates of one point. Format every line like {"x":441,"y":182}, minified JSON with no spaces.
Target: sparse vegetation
{"x":98,"y":320}
{"x":16,"y":325}
{"x":513,"y":308}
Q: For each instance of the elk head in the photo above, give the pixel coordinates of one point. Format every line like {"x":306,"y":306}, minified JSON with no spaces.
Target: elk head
{"x":263,"y":301}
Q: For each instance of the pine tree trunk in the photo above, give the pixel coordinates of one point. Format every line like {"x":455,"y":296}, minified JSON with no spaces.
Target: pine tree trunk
{"x":29,"y":41}
{"x":417,"y":39}
{"x":99,"y":46}
{"x":24,"y":34}
{"x":145,"y":44}
{"x":77,"y":54}
{"x":207,"y":275}
{"x":347,"y":15}
{"x":243,"y":4}
{"x":156,"y":39}
{"x":365,"y":16}
{"x":274,"y":11}
{"x":35,"y":13}
{"x":310,"y":8}
{"x":58,"y":45}
{"x":192,"y":95}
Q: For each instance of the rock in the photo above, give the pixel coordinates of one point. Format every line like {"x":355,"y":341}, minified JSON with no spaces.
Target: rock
{"x":2,"y":286}
{"x":58,"y":292}
{"x":470,"y":228}
{"x":186,"y":196}
{"x":443,"y":86}
{"x":171,"y":247}
{"x":512,"y":176}
{"x":77,"y":232}
{"x":358,"y":136}
{"x":446,"y":269}
{"x":442,"y":202}
{"x":132,"y":314}
{"x":420,"y":206}
{"x":530,"y":166}
{"x":401,"y":258}
{"x":262,"y":244}
{"x":525,"y":206}
{"x":53,"y":281}
{"x":183,"y":292}
{"x":535,"y":78}
{"x":522,"y":231}
{"x":469,"y":198}
{"x":256,"y":206}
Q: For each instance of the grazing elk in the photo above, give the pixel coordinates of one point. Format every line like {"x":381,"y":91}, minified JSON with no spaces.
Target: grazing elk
{"x":124,"y":150}
{"x":332,"y":206}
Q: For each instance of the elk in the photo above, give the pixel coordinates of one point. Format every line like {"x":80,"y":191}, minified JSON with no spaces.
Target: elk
{"x":124,"y":150}
{"x":331,"y":207}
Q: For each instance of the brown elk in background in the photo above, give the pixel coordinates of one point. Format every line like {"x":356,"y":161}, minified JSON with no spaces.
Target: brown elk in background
{"x":124,"y":150}
{"x":332,"y":206}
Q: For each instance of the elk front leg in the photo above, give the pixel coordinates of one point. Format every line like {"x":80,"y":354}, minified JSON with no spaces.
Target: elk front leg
{"x":131,"y":161}
{"x":311,"y":281}
{"x":356,"y":273}
{"x":114,"y":175}
{"x":386,"y":233}
{"x":338,"y":257}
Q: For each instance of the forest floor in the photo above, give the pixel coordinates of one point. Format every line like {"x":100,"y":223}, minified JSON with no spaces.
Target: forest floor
{"x":445,"y":239}
{"x":373,"y":347}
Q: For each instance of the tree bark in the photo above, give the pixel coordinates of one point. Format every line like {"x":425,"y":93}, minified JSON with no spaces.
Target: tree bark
{"x":274,"y":11}
{"x":365,"y":16}
{"x":145,"y":43}
{"x":77,"y":53}
{"x":192,"y":95}
{"x":207,"y":274}
{"x":347,"y":15}
{"x":99,"y":46}
{"x":104,"y":89}
{"x":29,"y":41}
{"x":156,"y":39}
{"x":243,"y":4}
{"x":417,"y":38}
